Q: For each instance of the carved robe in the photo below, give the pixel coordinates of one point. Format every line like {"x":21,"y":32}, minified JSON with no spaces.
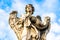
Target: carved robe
{"x":26,"y":29}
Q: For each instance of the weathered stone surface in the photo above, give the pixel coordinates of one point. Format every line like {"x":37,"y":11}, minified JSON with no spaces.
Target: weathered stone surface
{"x":29,"y":27}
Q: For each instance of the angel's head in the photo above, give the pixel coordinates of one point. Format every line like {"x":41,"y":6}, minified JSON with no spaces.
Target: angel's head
{"x":29,"y":8}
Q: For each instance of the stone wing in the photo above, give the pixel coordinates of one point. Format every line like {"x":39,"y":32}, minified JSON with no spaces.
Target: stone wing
{"x":12,"y":18}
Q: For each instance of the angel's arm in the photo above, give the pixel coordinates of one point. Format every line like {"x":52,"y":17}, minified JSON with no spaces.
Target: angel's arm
{"x":36,"y":21}
{"x":43,"y":25}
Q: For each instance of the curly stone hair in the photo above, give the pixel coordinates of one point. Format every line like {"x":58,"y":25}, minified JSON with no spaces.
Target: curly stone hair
{"x":31,"y":7}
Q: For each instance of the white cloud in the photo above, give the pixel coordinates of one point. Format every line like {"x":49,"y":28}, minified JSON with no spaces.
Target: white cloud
{"x":19,"y":6}
{"x":58,"y":38}
{"x":4,"y":28}
{"x":2,"y":25}
{"x":51,"y":15}
{"x":2,"y":35}
{"x":59,"y":20}
{"x":3,"y":14}
{"x":12,"y":35}
{"x":55,"y":27}
{"x":3,"y":18}
{"x":50,"y":4}
{"x":50,"y":36}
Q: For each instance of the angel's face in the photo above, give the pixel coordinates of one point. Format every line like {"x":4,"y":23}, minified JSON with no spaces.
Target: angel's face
{"x":29,"y":10}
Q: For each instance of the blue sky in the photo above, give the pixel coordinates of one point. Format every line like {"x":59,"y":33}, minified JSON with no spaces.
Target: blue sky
{"x":42,"y":7}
